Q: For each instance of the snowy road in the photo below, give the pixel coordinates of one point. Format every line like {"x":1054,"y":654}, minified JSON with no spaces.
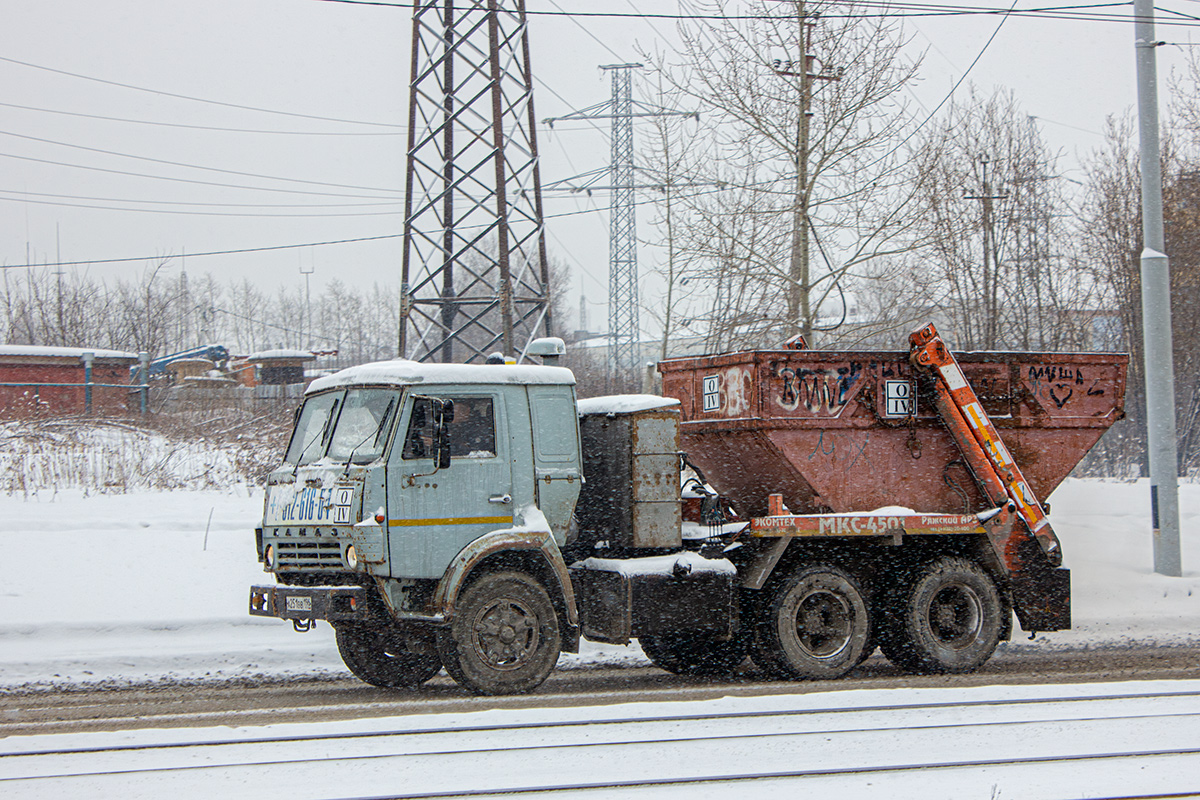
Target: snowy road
{"x":1097,"y":740}
{"x":263,"y":701}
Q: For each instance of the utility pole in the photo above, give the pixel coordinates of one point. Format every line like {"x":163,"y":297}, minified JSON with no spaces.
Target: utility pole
{"x":624,"y":325}
{"x":1156,"y":310}
{"x":59,"y":273}
{"x":800,"y":283}
{"x":307,"y":326}
{"x":991,"y":288}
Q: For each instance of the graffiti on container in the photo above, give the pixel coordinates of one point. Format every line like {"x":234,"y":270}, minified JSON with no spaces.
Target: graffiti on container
{"x":736,"y":388}
{"x":1059,"y":382}
{"x":823,"y":392}
{"x":1056,"y":374}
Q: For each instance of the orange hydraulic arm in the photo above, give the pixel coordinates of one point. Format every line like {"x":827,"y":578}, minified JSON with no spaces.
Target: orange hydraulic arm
{"x":989,"y":460}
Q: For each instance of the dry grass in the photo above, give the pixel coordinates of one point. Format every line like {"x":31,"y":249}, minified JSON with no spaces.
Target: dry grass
{"x":216,"y":449}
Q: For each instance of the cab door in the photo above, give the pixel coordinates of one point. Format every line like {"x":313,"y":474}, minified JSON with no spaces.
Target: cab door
{"x":432,"y":514}
{"x":556,"y":454}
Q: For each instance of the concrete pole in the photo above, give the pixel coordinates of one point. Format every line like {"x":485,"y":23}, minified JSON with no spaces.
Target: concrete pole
{"x":88,"y":358}
{"x":144,"y":374}
{"x":1156,"y":310}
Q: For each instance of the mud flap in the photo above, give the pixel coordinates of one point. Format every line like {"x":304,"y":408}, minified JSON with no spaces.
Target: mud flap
{"x":1042,"y":598}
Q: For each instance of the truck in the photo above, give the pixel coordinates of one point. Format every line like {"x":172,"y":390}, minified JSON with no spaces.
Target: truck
{"x":802,"y":508}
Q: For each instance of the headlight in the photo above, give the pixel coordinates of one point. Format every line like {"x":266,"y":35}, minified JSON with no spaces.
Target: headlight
{"x":351,"y":557}
{"x":269,"y":557}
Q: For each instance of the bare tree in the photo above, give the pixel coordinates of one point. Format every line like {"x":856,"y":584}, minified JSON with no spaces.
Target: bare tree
{"x":808,"y":95}
{"x":996,"y":263}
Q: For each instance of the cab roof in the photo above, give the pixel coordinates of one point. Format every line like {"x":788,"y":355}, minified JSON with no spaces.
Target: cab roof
{"x":402,"y":372}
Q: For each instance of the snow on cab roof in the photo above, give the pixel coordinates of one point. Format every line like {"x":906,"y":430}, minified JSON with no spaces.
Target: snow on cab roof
{"x":403,"y":372}
{"x":625,"y":404}
{"x":44,"y":351}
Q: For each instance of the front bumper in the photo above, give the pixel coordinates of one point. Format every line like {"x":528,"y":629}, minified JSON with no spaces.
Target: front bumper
{"x":331,"y":603}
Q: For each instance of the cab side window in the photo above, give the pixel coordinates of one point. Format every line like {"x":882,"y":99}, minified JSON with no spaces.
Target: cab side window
{"x":418,"y":439}
{"x":473,"y":431}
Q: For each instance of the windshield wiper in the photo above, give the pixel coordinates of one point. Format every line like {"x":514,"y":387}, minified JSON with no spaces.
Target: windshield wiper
{"x":323,"y":438}
{"x":383,"y":421}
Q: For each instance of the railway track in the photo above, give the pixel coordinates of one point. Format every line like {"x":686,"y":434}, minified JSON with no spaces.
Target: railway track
{"x":1103,"y":741}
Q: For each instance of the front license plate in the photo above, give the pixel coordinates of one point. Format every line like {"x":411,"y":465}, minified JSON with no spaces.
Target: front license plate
{"x":299,"y":604}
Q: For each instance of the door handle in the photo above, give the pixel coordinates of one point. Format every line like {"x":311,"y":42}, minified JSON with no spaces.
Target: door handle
{"x":501,"y":498}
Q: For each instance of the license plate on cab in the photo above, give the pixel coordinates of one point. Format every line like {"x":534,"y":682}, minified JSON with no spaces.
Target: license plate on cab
{"x":299,"y":603}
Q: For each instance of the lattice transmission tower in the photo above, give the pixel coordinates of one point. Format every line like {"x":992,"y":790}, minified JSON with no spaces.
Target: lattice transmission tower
{"x":624,"y":324}
{"x":474,"y":276}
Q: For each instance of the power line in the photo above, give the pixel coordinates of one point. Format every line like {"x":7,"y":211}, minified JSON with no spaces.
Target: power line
{"x":949,"y":94}
{"x":194,"y":166}
{"x":179,"y":212}
{"x":269,"y":248}
{"x":199,"y":99}
{"x":907,"y":9}
{"x":184,"y":125}
{"x":186,"y":180}
{"x":889,"y":11}
{"x":23,"y":192}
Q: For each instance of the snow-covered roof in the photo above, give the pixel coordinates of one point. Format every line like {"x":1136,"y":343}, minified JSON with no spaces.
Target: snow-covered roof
{"x":275,"y":355}
{"x":625,"y":404}
{"x":403,"y":372}
{"x":43,"y":351}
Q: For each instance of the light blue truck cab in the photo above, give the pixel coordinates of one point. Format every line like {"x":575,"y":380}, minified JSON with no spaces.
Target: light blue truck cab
{"x":402,"y":484}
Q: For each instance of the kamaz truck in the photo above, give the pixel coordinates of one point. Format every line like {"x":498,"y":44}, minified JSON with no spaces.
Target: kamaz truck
{"x":801,"y":508}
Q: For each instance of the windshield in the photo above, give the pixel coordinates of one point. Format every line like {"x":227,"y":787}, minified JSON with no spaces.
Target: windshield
{"x":362,"y":428}
{"x":313,"y":428}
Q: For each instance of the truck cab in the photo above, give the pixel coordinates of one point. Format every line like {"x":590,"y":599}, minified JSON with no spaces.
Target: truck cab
{"x":405,"y":484}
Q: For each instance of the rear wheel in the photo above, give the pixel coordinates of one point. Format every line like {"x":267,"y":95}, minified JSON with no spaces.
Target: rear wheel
{"x":814,"y":624}
{"x":380,"y":656}
{"x":504,"y":638}
{"x":694,"y":653}
{"x":949,"y":619}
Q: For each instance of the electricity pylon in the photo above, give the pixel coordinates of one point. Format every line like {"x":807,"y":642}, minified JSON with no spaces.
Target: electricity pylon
{"x":474,"y":277}
{"x":624,"y":326}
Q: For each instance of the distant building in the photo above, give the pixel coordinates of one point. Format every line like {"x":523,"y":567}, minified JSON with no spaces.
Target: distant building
{"x":273,"y":373}
{"x":38,"y":380}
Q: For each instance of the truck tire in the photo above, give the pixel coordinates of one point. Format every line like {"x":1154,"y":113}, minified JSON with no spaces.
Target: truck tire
{"x":694,"y":653}
{"x":949,"y":618}
{"x":813,"y":625}
{"x":380,"y":657}
{"x":504,"y":638}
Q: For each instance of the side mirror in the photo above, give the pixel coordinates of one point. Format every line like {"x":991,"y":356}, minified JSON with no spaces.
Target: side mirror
{"x":443,"y":415}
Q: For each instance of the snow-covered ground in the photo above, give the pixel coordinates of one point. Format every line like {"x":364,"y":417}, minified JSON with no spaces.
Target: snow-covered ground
{"x":1099,"y":740}
{"x":147,"y":586}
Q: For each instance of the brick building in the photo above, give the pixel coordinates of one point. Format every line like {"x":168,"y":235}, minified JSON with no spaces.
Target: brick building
{"x":38,"y":380}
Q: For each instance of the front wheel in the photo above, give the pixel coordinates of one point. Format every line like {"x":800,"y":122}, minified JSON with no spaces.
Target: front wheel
{"x":380,"y":656}
{"x":504,"y":638}
{"x":949,"y":619}
{"x":814,"y":624}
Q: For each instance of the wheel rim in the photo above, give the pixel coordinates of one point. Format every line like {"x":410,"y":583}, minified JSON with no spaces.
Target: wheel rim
{"x":824,"y":623}
{"x":506,"y":634}
{"x":955,"y":616}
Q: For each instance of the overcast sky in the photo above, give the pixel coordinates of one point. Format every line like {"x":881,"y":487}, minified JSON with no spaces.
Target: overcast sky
{"x":339,"y":175}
